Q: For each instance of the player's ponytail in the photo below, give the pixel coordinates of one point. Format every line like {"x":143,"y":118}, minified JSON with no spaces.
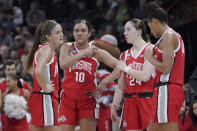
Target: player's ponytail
{"x":37,"y":41}
{"x":42,"y":30}
{"x":145,"y":36}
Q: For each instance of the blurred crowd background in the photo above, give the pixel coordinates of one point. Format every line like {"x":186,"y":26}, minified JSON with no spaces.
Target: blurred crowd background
{"x":19,"y":18}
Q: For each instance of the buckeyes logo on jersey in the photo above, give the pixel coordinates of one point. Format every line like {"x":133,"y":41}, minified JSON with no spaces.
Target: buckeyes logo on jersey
{"x":82,"y":65}
{"x":136,"y":66}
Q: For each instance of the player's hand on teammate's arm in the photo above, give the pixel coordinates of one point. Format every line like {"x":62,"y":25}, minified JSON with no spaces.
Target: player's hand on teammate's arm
{"x":90,"y":51}
{"x":49,"y":87}
{"x":114,"y":116}
{"x":121,"y":65}
{"x":149,"y":54}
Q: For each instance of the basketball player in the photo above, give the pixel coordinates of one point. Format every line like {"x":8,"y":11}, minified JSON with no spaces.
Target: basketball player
{"x":42,"y":103}
{"x":136,"y":81}
{"x":80,"y":60}
{"x":168,"y":57}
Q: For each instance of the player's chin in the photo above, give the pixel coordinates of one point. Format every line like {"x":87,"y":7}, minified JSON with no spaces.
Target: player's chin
{"x":61,"y":41}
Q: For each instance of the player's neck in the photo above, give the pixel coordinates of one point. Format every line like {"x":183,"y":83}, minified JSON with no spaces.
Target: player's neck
{"x":82,"y":46}
{"x":138,"y":45}
{"x":52,"y":46}
{"x":163,"y":29}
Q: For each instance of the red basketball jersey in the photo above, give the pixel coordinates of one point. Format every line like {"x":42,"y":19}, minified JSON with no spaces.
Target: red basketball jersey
{"x":176,"y":75}
{"x":50,"y":72}
{"x":80,"y":78}
{"x":136,"y":63}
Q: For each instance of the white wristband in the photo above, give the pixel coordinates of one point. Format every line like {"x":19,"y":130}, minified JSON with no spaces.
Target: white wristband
{"x":126,"y":69}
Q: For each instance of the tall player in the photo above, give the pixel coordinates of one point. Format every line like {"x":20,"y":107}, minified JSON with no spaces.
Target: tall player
{"x":168,"y":57}
{"x":80,"y":60}
{"x":42,"y":102}
{"x":136,"y":80}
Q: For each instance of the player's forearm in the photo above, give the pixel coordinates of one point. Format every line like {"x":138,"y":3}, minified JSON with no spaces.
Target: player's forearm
{"x":139,"y":75}
{"x":40,"y":79}
{"x":117,"y":98}
{"x":68,"y":61}
{"x":113,"y":76}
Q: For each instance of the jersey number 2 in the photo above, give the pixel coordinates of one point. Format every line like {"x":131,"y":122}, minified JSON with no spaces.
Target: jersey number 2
{"x":132,"y":81}
{"x":80,"y":76}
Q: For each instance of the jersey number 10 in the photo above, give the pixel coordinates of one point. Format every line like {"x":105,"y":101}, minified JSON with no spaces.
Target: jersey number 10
{"x":80,"y":76}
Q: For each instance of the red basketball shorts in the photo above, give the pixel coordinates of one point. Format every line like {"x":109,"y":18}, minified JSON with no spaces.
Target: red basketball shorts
{"x":71,"y":111}
{"x":167,"y":102}
{"x":136,"y":113}
{"x":43,"y":109}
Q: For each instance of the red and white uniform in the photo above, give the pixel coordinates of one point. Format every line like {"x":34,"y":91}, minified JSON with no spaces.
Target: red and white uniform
{"x":169,"y":98}
{"x":79,"y":79}
{"x":104,"y":121}
{"x":139,"y":104}
{"x":4,"y":88}
{"x":17,"y":125}
{"x":43,"y":106}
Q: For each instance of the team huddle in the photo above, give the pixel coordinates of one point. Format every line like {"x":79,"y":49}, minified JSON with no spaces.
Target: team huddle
{"x":150,"y":78}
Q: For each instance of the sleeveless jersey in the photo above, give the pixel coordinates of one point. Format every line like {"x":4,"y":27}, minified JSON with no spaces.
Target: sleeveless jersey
{"x":136,"y":63}
{"x":176,"y":75}
{"x":50,"y":72}
{"x":80,"y":78}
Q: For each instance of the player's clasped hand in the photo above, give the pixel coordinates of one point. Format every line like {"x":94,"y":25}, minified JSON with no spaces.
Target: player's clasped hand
{"x":90,"y":51}
{"x":148,"y":54}
{"x":49,"y":87}
{"x":121,"y":65}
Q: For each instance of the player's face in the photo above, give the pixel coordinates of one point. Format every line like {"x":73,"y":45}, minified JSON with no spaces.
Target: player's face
{"x":153,"y":27}
{"x":10,"y":82}
{"x":130,"y":33}
{"x":81,"y":33}
{"x":10,"y":70}
{"x":56,"y":36}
